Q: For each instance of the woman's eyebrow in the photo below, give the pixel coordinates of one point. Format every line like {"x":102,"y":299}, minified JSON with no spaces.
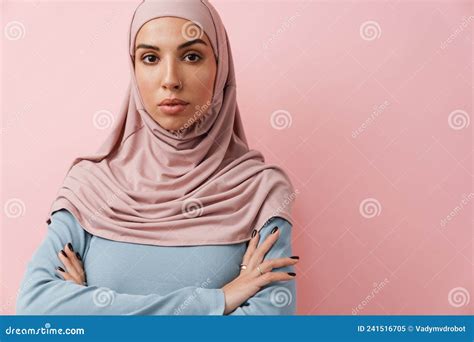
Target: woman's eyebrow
{"x":182,"y":46}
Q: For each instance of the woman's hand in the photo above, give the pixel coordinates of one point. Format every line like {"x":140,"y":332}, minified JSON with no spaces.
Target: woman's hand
{"x":73,"y":263}
{"x":251,"y":279}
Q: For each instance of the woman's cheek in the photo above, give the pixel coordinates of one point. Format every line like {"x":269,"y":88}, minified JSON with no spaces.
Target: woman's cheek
{"x":145,"y":87}
{"x":206,"y":75}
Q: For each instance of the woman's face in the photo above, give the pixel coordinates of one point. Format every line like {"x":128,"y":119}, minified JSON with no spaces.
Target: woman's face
{"x":170,"y":64}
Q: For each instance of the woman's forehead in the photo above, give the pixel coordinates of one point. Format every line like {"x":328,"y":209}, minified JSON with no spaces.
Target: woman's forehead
{"x":171,"y":32}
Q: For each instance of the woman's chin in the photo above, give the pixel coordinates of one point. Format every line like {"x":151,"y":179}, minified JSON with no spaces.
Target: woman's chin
{"x":169,"y":122}
{"x":172,"y":124}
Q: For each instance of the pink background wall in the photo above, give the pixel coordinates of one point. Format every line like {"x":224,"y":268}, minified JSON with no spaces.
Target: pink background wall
{"x":367,"y":105}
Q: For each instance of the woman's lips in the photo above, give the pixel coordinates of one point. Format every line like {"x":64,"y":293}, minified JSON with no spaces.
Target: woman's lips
{"x":173,"y":109}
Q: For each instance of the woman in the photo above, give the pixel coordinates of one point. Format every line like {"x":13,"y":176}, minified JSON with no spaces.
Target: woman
{"x":174,"y":214}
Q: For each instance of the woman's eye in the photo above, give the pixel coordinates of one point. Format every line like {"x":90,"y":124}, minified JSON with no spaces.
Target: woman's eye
{"x":193,"y":57}
{"x":149,"y":59}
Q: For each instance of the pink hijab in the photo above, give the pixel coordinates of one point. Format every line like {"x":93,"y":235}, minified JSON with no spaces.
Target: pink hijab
{"x":199,"y":186}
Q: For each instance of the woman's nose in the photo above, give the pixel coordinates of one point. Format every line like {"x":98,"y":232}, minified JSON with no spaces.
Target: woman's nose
{"x":170,"y":78}
{"x":172,"y":84}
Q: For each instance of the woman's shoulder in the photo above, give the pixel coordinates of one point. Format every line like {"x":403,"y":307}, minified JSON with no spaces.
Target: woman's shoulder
{"x":64,"y":220}
{"x":63,"y":215}
{"x":276,"y":221}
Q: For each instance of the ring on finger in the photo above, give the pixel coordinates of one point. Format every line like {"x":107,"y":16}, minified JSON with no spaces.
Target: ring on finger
{"x":259,"y":270}
{"x":243,"y":266}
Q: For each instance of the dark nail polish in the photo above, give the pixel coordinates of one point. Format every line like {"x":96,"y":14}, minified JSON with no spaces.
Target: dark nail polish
{"x":63,"y":253}
{"x":60,"y":268}
{"x":78,"y":256}
{"x":294,"y":257}
{"x":69,"y":245}
{"x":274,"y":230}
{"x":292,"y":274}
{"x":254,"y":233}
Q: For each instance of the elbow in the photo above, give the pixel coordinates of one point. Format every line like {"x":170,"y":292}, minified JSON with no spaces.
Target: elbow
{"x":24,"y":305}
{"x":28,"y":304}
{"x":24,"y":299}
{"x":31,"y":299}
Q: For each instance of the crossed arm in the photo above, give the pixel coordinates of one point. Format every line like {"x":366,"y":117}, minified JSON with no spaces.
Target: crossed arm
{"x":43,"y":292}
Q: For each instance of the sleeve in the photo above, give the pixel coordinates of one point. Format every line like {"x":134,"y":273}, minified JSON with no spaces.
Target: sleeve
{"x":277,"y":298}
{"x":43,"y":292}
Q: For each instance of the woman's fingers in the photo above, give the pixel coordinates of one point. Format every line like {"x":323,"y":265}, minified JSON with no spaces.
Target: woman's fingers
{"x":261,"y":250}
{"x":270,"y":264}
{"x":62,"y":255}
{"x":270,"y":277}
{"x":76,"y":258}
{"x":251,"y":247}
{"x":64,"y":274}
{"x":72,"y":262}
{"x":73,"y":256}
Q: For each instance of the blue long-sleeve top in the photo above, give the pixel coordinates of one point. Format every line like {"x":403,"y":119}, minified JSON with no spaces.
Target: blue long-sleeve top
{"x":138,"y":279}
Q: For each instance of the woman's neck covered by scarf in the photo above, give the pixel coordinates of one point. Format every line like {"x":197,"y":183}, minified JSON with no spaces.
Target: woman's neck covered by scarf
{"x":199,"y":185}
